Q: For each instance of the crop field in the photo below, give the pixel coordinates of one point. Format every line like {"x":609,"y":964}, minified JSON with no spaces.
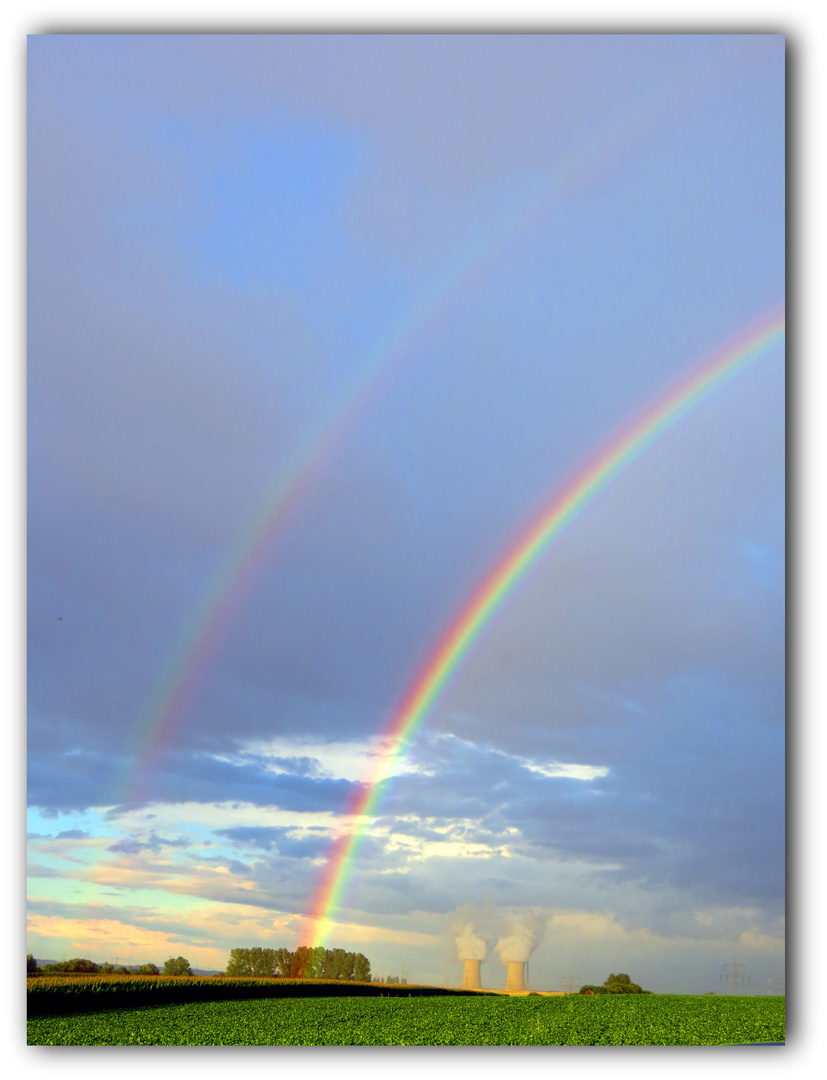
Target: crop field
{"x":58,"y":994}
{"x":397,"y":1020}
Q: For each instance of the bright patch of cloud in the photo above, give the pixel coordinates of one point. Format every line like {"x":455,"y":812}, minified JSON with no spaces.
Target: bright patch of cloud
{"x":356,"y":933}
{"x":765,"y":942}
{"x":353,"y":761}
{"x":95,"y":935}
{"x":605,"y":926}
{"x":417,"y":849}
{"x":553,"y":769}
{"x":568,"y":770}
{"x":599,"y":926}
{"x":728,"y":922}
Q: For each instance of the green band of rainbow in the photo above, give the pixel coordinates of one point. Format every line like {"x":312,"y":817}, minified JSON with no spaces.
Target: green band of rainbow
{"x":187,"y":664}
{"x":502,"y":579}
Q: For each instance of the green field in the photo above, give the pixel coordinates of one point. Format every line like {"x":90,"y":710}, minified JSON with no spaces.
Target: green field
{"x":615,"y":1020}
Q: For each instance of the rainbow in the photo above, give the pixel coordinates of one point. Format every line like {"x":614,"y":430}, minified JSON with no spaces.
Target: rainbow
{"x":501,"y":581}
{"x":209,"y":626}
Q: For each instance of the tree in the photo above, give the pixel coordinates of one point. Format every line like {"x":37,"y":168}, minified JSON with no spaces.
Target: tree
{"x":177,"y":966}
{"x":283,"y":959}
{"x":334,"y":964}
{"x":77,"y":964}
{"x":361,"y":968}
{"x":82,"y":964}
{"x":315,"y":963}
{"x":263,"y":963}
{"x":299,"y":962}
{"x":256,"y":963}
{"x":621,"y":984}
{"x":31,"y":963}
{"x":304,"y":963}
{"x":238,"y":966}
{"x":149,"y":969}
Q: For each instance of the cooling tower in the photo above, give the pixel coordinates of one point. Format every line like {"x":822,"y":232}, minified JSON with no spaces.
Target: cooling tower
{"x":471,"y":975}
{"x":515,"y":979}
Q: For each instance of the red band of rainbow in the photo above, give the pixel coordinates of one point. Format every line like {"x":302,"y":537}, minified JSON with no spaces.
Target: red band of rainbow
{"x":171,"y":699}
{"x":500,"y":582}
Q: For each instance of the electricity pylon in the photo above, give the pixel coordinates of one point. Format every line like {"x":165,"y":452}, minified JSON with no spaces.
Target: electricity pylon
{"x":737,"y":978}
{"x":569,"y":984}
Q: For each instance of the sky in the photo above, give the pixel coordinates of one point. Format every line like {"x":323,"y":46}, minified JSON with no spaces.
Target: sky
{"x":385,"y":295}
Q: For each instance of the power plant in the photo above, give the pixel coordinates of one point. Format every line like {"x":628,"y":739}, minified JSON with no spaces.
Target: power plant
{"x":514,"y":948}
{"x":471,"y":975}
{"x":515,"y":977}
{"x":472,"y":950}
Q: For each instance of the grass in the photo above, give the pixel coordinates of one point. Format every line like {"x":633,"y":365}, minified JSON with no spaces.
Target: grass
{"x":400,"y":1020}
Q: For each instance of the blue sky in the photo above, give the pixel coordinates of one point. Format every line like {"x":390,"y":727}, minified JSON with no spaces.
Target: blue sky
{"x":222,"y":233}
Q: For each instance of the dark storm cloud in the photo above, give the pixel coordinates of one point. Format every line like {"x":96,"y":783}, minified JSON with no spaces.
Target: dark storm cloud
{"x":149,"y":436}
{"x":149,"y":432}
{"x":670,"y":587}
{"x":665,"y":828}
{"x":58,"y":781}
{"x":211,"y":780}
{"x":220,"y":231}
{"x":278,"y":840}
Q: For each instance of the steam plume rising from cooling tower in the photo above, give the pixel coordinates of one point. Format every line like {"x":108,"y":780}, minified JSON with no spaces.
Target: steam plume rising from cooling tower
{"x":524,"y":934}
{"x":472,"y":942}
{"x":473,"y":929}
{"x":469,"y":945}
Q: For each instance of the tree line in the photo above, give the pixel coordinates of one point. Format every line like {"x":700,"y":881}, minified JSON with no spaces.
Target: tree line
{"x":304,"y":963}
{"x":615,"y":984}
{"x":81,"y":966}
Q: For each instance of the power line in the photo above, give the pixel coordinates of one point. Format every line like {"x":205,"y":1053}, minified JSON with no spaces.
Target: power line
{"x":735,"y":975}
{"x":569,"y":984}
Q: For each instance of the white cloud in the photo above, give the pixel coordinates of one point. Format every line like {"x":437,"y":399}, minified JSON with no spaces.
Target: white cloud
{"x":568,"y":770}
{"x":554,"y":769}
{"x":417,"y":849}
{"x":357,"y":760}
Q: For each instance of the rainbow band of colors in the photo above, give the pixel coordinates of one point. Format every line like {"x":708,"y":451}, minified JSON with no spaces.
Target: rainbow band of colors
{"x":189,"y":662}
{"x":501,"y":581}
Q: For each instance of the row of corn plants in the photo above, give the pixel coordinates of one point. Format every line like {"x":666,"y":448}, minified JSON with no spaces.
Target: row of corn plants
{"x":54,"y":995}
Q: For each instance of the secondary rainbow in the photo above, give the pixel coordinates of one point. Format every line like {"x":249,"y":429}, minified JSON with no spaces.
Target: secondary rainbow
{"x":209,"y":625}
{"x":501,"y":582}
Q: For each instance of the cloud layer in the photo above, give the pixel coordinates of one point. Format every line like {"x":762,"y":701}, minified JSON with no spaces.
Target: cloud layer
{"x":223,"y":233}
